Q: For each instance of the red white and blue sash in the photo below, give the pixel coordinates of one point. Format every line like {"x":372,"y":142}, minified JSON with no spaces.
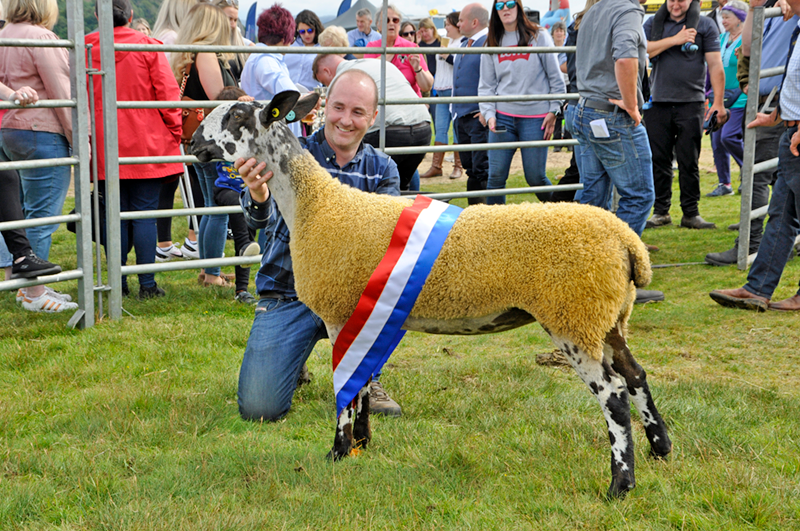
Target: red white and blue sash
{"x":374,"y":330}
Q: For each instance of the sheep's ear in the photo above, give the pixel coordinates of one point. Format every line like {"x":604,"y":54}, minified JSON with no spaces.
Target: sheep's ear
{"x":304,"y":105}
{"x":280,"y":106}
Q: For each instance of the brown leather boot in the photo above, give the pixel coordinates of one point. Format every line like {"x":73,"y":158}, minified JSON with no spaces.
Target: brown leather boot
{"x":457,"y":169}
{"x":436,"y":167}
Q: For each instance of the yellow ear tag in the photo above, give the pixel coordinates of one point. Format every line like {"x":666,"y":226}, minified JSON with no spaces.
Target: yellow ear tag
{"x":276,"y":113}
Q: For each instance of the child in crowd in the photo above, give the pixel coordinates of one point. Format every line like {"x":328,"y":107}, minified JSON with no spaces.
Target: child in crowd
{"x":227,"y":188}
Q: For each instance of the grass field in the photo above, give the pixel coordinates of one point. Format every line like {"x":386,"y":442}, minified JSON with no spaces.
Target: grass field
{"x":133,"y":424}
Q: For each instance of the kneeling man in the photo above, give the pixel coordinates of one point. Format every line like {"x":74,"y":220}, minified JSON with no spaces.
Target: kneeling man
{"x":284,"y":329}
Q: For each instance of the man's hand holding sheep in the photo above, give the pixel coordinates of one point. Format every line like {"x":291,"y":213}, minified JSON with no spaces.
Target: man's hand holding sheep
{"x":250,"y":170}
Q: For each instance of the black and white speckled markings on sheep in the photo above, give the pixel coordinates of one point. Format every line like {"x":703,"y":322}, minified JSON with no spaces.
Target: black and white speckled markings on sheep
{"x":573,"y":268}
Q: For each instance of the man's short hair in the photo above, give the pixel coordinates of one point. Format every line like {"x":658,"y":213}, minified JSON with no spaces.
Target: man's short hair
{"x":361,"y":13}
{"x":359,"y":75}
{"x":316,"y":65}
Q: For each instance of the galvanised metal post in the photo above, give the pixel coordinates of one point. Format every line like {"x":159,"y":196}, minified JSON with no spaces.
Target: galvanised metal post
{"x":750,"y":139}
{"x":98,"y":255}
{"x":111,"y":148}
{"x":80,"y":136}
{"x":382,"y":95}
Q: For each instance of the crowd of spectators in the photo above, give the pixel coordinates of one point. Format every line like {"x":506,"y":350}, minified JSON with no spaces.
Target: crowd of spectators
{"x":698,"y":81}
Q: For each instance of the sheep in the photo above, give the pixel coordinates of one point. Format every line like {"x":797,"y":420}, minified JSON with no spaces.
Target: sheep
{"x":573,"y":268}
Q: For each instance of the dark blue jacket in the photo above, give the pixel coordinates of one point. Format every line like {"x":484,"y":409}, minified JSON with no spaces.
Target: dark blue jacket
{"x":466,"y":75}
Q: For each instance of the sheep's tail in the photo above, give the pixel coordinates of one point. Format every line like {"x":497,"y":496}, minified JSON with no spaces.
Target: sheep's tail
{"x":639,"y":259}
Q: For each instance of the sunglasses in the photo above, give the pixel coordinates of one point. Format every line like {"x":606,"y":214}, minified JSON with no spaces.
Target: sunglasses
{"x":408,"y":33}
{"x":232,"y":3}
{"x":511,"y":4}
{"x":310,"y":31}
{"x":395,"y":20}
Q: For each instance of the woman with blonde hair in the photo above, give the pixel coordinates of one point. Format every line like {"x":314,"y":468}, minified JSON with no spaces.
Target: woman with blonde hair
{"x":231,"y":10}
{"x":37,"y":133}
{"x":335,"y":37}
{"x":169,"y":20}
{"x":202,"y":76}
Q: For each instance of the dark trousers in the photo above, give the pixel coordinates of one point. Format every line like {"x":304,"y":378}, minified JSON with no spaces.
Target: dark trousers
{"x":767,"y":143}
{"x":571,"y":176}
{"x":242,"y":234}
{"x":166,"y":201}
{"x":11,"y":210}
{"x":475,"y":163}
{"x":137,"y":195}
{"x":404,"y":136}
{"x":678,"y":128}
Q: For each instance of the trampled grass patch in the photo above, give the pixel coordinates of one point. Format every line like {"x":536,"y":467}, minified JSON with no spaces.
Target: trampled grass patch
{"x":133,"y":424}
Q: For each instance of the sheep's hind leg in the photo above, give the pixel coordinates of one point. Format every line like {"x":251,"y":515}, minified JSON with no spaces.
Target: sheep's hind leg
{"x":610,"y":392}
{"x":635,"y":377}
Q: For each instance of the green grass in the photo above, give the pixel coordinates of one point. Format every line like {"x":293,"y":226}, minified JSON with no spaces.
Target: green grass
{"x":133,"y":424}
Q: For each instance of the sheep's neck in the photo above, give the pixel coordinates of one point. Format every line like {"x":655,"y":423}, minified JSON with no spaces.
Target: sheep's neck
{"x":277,"y":146}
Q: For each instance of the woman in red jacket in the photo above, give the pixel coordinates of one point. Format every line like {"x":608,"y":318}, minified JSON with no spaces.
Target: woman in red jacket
{"x":141,"y":76}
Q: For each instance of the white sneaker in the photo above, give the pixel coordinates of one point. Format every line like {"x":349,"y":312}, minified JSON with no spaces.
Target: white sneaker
{"x":251,"y":249}
{"x":170,"y":253}
{"x":190,"y":250}
{"x":47,"y":303}
{"x":63,"y":296}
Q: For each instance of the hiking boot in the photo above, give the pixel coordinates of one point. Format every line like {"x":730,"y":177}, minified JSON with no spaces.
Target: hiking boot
{"x":644,"y":296}
{"x":380,"y":403}
{"x":245,"y":297}
{"x":720,"y":190}
{"x":251,"y":249}
{"x":696,"y":222}
{"x":32,"y":266}
{"x":726,"y":258}
{"x":658,"y":220}
{"x":150,"y":293}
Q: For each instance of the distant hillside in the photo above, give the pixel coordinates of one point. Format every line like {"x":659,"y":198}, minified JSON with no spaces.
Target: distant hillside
{"x":147,"y":9}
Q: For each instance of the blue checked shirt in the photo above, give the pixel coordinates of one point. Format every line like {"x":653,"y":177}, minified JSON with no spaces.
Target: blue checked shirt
{"x":370,"y":171}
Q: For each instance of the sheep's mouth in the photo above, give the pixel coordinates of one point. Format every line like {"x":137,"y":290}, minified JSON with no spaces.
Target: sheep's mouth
{"x":205,"y":150}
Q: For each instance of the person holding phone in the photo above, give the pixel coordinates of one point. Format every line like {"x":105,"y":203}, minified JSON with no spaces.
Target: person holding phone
{"x":518,"y":73}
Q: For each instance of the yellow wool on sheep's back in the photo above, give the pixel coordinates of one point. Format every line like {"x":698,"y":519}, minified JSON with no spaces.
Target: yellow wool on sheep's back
{"x":567,"y":265}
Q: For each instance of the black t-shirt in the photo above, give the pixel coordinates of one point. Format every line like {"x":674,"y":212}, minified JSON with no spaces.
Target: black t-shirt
{"x":194,"y":89}
{"x":680,"y":76}
{"x":431,"y":57}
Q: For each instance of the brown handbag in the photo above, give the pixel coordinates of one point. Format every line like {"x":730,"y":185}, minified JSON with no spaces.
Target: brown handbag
{"x":191,"y":118}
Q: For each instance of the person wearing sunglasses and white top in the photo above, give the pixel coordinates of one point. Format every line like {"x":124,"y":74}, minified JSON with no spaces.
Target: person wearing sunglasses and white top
{"x":512,"y":74}
{"x":308,"y":28}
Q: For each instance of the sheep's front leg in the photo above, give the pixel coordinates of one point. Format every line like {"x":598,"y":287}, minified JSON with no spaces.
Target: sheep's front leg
{"x":343,"y":440}
{"x":610,"y":391}
{"x":362,"y":433}
{"x":635,"y":377}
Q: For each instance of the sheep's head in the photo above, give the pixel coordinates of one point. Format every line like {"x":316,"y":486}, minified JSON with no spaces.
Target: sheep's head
{"x":243,"y":129}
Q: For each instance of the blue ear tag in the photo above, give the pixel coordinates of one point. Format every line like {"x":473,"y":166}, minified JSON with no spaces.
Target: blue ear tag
{"x":290,"y":116}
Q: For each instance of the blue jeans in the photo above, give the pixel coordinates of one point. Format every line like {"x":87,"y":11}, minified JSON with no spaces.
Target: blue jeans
{"x":43,"y":189}
{"x":213,"y":228}
{"x":783,"y":223}
{"x":441,"y":118}
{"x":623,"y":160}
{"x":534,"y":160}
{"x":281,"y":339}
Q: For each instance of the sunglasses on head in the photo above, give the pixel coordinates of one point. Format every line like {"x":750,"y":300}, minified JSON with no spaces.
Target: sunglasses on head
{"x":394,"y":20}
{"x":232,"y":3}
{"x":408,"y":33}
{"x":310,"y":31}
{"x":511,"y":4}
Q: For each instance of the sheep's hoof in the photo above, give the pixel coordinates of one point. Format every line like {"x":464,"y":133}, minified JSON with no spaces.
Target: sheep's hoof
{"x":619,"y":488}
{"x":337,"y":454}
{"x":661,"y":450}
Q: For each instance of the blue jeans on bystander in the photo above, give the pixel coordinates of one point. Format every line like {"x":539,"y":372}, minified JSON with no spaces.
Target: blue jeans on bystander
{"x":442,"y":118}
{"x":623,"y":160}
{"x":43,"y":189}
{"x":534,"y":160}
{"x":214,"y":227}
{"x":783,"y":224}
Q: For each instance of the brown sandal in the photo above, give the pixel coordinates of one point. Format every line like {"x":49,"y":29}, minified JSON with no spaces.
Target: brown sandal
{"x":217,"y":281}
